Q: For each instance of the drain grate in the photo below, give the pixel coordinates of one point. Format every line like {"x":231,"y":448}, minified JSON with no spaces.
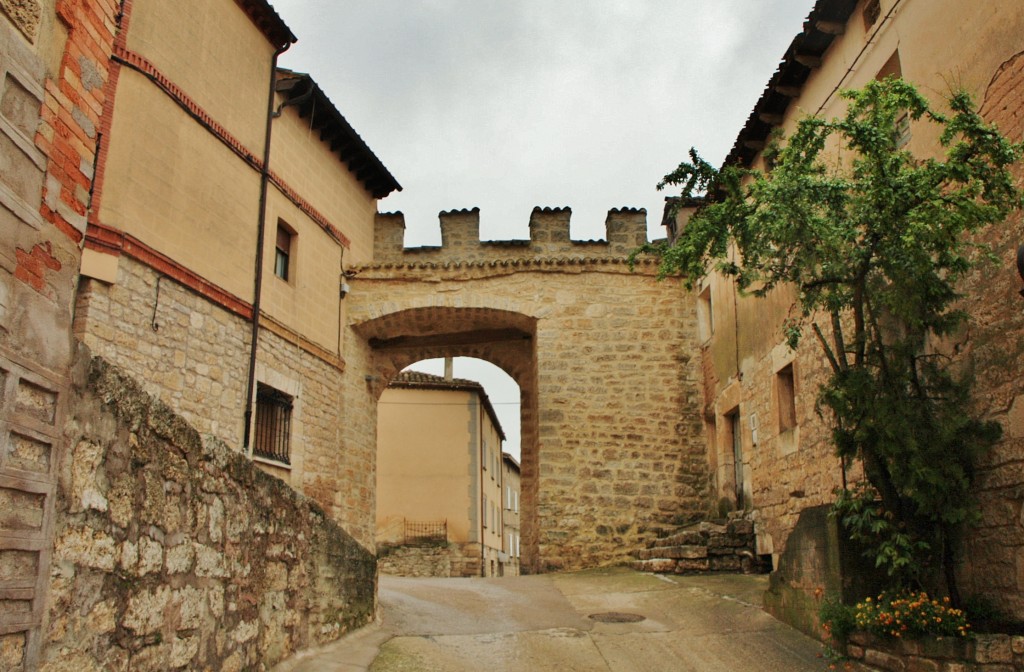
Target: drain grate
{"x":616,"y":617}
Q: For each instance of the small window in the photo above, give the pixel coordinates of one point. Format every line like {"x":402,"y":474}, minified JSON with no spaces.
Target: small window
{"x":283,"y":251}
{"x":515,"y":501}
{"x":705,"y":315}
{"x":785,"y":387}
{"x":893,"y":68}
{"x":734,"y":444}
{"x":485,"y":511}
{"x":273,"y":425}
{"x":872,"y":10}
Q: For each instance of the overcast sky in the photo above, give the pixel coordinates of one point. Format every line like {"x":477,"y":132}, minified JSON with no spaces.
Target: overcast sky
{"x":506,"y":105}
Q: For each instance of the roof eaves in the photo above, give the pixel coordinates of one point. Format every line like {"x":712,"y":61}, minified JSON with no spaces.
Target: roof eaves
{"x":427,"y":381}
{"x":311,"y":101}
{"x":796,"y":65}
{"x":268,"y":21}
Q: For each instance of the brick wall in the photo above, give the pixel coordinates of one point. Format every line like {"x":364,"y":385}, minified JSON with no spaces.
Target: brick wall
{"x":53,"y":70}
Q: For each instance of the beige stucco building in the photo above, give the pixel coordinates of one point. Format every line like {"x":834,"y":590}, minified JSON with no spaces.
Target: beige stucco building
{"x":185,"y":204}
{"x":767,"y":448}
{"x":440,"y":466}
{"x":511,"y":539}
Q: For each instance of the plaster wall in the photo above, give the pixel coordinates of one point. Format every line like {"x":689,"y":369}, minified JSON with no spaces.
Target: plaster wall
{"x":300,"y":157}
{"x":308,"y":300}
{"x":233,"y":89}
{"x":175,"y":187}
{"x":428,"y":461}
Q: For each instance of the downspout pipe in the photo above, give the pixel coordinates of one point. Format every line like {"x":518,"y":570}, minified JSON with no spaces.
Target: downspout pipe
{"x":261,"y":235}
{"x":483,"y":506}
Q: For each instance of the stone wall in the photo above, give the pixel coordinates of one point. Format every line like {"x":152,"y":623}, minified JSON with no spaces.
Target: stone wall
{"x":184,"y":349}
{"x":443,"y":560}
{"x":193,"y":355}
{"x":604,"y":355}
{"x":417,"y":560}
{"x":981,"y":653}
{"x":176,"y":553}
{"x":992,"y":349}
{"x":625,"y":230}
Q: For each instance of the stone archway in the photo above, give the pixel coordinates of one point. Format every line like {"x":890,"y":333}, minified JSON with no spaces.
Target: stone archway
{"x":500,"y":337}
{"x":603,"y":355}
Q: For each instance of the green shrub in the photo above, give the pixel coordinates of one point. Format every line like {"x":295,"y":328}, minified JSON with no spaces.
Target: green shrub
{"x":838,"y":620}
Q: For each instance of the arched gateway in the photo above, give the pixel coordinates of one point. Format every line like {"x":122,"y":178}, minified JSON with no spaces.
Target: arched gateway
{"x":604,"y":358}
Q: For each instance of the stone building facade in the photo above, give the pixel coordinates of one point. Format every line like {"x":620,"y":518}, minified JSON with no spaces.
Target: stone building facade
{"x":225,"y":172}
{"x":768,"y":449}
{"x":602,"y":354}
{"x":512,"y":534}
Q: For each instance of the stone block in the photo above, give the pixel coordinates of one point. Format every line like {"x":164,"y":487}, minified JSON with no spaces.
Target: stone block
{"x":145,"y":612}
{"x":12,"y":651}
{"x":942,"y":647}
{"x":993,"y":649}
{"x":740,"y":527}
{"x":916,"y":664}
{"x":696,"y":565}
{"x":725,"y":563}
{"x":657,"y":565}
{"x":682,"y":552}
{"x":884,"y":661}
{"x":183,"y":650}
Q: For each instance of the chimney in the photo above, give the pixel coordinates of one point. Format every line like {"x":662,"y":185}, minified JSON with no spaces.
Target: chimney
{"x":448,"y":368}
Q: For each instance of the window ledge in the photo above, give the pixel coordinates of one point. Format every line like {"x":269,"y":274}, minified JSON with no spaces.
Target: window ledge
{"x":270,"y":462}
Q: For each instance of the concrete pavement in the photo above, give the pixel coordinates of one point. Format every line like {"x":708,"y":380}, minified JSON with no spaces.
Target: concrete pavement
{"x":533,"y":623}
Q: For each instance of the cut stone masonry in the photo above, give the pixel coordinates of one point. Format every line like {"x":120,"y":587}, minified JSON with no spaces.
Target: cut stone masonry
{"x":626,"y":229}
{"x":708,"y":546}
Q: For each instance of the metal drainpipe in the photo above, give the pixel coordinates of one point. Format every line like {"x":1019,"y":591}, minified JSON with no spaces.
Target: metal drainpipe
{"x":483,"y":506}
{"x":260,"y":238}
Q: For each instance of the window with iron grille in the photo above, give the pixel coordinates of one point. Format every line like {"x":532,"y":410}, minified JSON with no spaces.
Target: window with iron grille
{"x":273,"y":424}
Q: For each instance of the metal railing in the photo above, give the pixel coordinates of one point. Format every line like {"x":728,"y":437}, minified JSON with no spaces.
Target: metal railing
{"x":419,"y":531}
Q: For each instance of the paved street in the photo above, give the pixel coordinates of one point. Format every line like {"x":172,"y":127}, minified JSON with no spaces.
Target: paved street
{"x":699,"y":623}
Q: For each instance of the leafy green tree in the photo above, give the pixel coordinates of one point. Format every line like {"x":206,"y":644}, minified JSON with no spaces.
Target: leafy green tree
{"x":874,"y":241}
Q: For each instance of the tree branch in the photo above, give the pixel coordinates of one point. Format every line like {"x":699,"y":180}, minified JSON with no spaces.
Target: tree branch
{"x":825,"y":346}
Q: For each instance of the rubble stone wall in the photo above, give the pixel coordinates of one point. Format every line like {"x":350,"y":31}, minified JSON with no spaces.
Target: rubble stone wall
{"x":175,"y":553}
{"x":604,"y":355}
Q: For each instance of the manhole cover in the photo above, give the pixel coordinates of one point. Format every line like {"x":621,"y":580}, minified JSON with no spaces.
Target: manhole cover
{"x":616,"y":617}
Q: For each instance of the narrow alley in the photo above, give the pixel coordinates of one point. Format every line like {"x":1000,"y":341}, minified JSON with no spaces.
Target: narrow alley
{"x":587,"y":621}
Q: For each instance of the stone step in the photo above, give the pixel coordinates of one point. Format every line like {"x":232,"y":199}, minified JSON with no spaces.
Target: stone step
{"x":674,"y":552}
{"x":684,"y":538}
{"x":726,"y":563}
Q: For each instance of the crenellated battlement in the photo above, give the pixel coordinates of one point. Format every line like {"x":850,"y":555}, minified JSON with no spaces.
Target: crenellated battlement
{"x":625,"y":230}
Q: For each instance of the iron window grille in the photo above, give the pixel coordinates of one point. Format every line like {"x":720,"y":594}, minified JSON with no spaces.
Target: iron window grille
{"x":273,"y":425}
